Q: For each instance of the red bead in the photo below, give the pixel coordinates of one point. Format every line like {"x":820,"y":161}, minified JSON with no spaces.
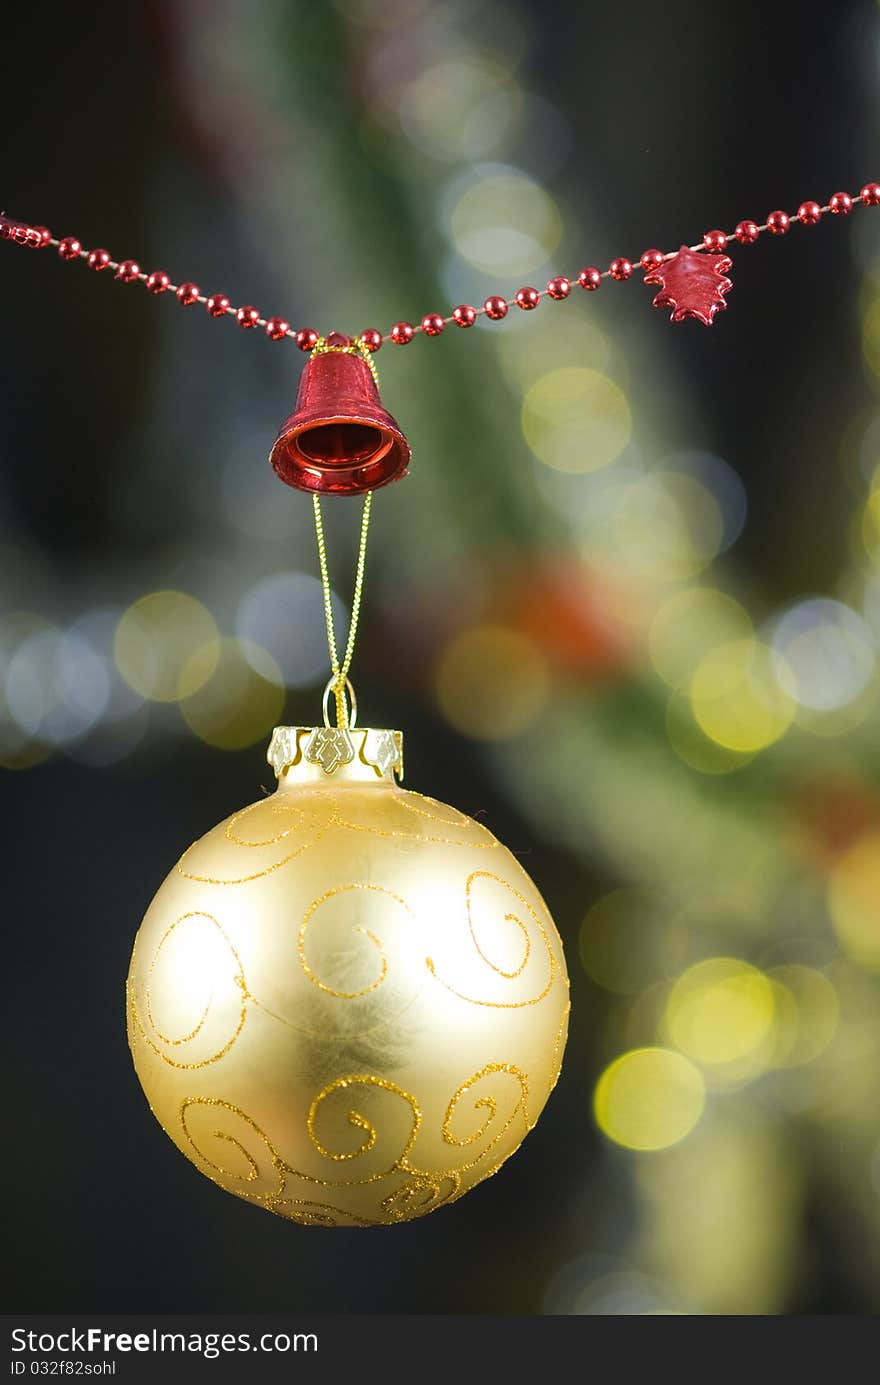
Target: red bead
{"x":527,"y":298}
{"x":716,"y":241}
{"x":560,"y":287}
{"x":306,"y":339}
{"x":45,"y":235}
{"x":746,"y":232}
{"x":69,"y":248}
{"x":620,"y":268}
{"x":651,"y":259}
{"x":432,"y":324}
{"x":840,"y":204}
{"x":187,"y":293}
{"x":128,"y":271}
{"x":777,"y":223}
{"x":402,"y":333}
{"x":158,"y":281}
{"x":372,"y":339}
{"x":98,"y":260}
{"x":277,"y":328}
{"x":464,"y":315}
{"x":590,"y":278}
{"x":247,"y":316}
{"x":809,"y":213}
{"x":217,"y":305}
{"x":495,"y":307}
{"x":870,"y":195}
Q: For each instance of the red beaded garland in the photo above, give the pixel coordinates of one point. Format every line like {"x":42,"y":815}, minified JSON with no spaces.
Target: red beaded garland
{"x":432,"y":324}
{"x":809,"y":213}
{"x":402,"y":333}
{"x":746,"y":232}
{"x":495,"y":307}
{"x":527,"y":298}
{"x":277,"y":328}
{"x":560,"y":287}
{"x":372,"y":339}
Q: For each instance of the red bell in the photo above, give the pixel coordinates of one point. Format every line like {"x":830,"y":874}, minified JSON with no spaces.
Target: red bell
{"x":339,"y":440}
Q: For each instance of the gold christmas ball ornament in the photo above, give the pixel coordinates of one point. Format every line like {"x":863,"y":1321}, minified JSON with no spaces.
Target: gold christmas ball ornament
{"x":347,"y":1003}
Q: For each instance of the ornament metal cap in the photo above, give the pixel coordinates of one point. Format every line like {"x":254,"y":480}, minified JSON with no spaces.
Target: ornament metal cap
{"x":347,"y":754}
{"x":339,"y":440}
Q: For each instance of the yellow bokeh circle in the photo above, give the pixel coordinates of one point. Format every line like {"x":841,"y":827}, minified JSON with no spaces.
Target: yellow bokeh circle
{"x":576,"y":419}
{"x":688,"y":626}
{"x":506,"y":223}
{"x":736,"y":699}
{"x":649,"y":1098}
{"x":155,"y":641}
{"x":491,"y":682}
{"x":239,"y":694}
{"x":721,"y":1012}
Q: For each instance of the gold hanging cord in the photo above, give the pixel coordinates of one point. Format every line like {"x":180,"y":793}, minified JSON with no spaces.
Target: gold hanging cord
{"x":339,"y":681}
{"x":340,"y":670}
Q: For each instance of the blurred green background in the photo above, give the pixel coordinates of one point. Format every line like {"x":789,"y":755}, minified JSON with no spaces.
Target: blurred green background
{"x":626,"y":607}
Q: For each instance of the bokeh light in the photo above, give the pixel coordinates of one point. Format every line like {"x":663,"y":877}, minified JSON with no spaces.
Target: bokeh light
{"x":854,"y":900}
{"x":825,"y":654}
{"x":736,"y":697}
{"x":155,"y":641}
{"x":504,"y":223}
{"x":807,"y":1013}
{"x":238,"y":697}
{"x":576,"y":419}
{"x":721,"y":1014}
{"x":491,"y":682}
{"x":669,"y":525}
{"x":284,"y":616}
{"x":649,"y":1098}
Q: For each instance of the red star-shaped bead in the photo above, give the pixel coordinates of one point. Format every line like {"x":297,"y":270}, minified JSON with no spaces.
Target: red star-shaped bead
{"x":692,"y":284}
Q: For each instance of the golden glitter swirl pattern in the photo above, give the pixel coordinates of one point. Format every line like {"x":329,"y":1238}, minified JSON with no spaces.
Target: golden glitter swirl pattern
{"x":312,"y":816}
{"x":257,"y":1160}
{"x":315,"y":906}
{"x":488,"y":1103}
{"x":262,"y":817}
{"x":358,"y":1120}
{"x":476,"y":917}
{"x":244,"y":1161}
{"x":200,"y":939}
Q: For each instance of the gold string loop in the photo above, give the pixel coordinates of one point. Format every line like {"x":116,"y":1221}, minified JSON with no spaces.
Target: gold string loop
{"x":339,"y":680}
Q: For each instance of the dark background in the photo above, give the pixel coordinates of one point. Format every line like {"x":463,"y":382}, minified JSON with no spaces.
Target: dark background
{"x":681,"y":117}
